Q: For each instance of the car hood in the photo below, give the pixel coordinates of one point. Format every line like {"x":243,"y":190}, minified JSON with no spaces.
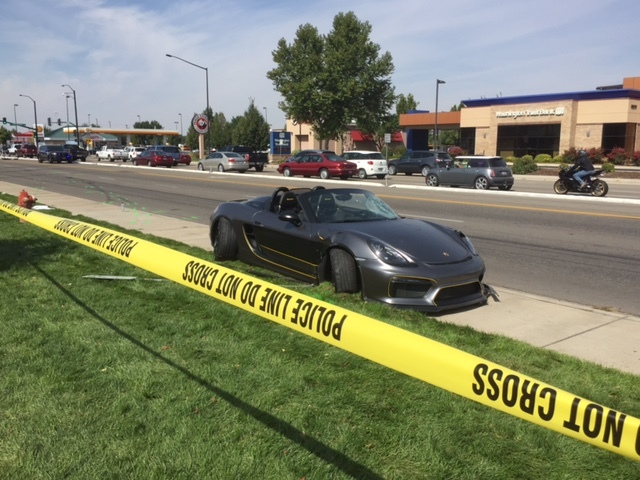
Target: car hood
{"x":425,"y":242}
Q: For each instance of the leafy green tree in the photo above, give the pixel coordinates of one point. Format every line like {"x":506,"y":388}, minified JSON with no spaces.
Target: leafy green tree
{"x":145,"y":139}
{"x":251,"y":129}
{"x":405,"y":104}
{"x":330,"y":81}
{"x":5,"y":136}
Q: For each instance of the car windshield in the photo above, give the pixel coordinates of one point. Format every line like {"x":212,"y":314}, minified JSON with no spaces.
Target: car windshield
{"x":233,"y":155}
{"x":343,"y":206}
{"x":55,"y":148}
{"x":171,"y":149}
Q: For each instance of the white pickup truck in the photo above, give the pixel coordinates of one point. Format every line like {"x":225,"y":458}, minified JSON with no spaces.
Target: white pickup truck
{"x":112,"y":153}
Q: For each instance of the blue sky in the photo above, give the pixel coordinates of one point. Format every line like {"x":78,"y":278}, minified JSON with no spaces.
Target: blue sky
{"x":113,"y":52}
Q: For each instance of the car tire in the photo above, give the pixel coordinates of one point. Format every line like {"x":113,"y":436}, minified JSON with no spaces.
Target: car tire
{"x":343,"y":271}
{"x":362,"y":174}
{"x":425,"y":170}
{"x":432,"y":180}
{"x":324,"y":174}
{"x":259,"y":168}
{"x":50,"y":159}
{"x":481,"y":183}
{"x":39,"y":160}
{"x":200,"y":166}
{"x":392,"y":170}
{"x":220,"y":168}
{"x":287,"y":172}
{"x":225,"y":243}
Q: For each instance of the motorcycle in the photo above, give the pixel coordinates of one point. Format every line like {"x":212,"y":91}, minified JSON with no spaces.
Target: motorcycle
{"x":594,"y":185}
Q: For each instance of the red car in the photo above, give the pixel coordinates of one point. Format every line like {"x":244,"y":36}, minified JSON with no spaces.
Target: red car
{"x":185,"y":158}
{"x":28,"y":150}
{"x":312,"y":163}
{"x":153,"y":158}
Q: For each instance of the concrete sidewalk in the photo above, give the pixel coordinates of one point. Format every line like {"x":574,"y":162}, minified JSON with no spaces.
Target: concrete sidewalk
{"x":608,"y":338}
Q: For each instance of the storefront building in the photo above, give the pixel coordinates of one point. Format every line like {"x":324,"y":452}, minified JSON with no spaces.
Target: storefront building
{"x":606,"y":118}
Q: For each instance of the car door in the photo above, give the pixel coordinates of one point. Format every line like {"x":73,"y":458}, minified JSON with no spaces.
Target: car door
{"x":404,"y":163}
{"x":295,"y":249}
{"x":453,"y":174}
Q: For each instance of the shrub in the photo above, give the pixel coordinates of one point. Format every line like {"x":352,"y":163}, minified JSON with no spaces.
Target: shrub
{"x":398,"y":151}
{"x":635,"y":159}
{"x":456,"y":151}
{"x":558,"y":159}
{"x":569,"y":156}
{"x":543,"y":158}
{"x":524,"y":165}
{"x":596,"y":155}
{"x":619,"y":156}
{"x":608,"y":167}
{"x":511,"y":160}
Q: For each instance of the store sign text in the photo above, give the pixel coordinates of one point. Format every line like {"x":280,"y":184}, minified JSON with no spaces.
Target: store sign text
{"x":541,"y":112}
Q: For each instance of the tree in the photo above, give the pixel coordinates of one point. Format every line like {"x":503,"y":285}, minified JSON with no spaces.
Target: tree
{"x":251,"y":129}
{"x":5,"y":136}
{"x":145,"y":139}
{"x":330,"y":81}
{"x":405,"y":104}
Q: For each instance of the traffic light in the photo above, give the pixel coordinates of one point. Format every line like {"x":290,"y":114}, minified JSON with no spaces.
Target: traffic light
{"x":4,"y":120}
{"x":49,"y":121}
{"x":59,"y":122}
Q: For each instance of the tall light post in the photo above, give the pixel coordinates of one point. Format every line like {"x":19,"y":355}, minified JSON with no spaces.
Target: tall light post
{"x":206,"y":71}
{"x":138,"y":118}
{"x":266,"y":117}
{"x":89,"y":120}
{"x":180,"y":124}
{"x":15,"y":117}
{"x":67,"y":116}
{"x":435,"y":129}
{"x":35,"y":116}
{"x":75,"y":107}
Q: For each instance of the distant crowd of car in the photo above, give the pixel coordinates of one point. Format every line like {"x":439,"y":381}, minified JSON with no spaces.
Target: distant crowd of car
{"x":438,"y":168}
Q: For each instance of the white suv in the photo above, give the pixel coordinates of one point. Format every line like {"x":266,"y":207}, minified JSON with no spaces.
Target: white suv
{"x":368,"y":162}
{"x":133,"y":152}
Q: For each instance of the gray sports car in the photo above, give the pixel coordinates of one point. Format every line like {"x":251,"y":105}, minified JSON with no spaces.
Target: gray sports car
{"x":352,"y":238}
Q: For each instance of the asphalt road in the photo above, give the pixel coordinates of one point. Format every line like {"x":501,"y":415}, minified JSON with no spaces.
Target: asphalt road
{"x":574,"y":247}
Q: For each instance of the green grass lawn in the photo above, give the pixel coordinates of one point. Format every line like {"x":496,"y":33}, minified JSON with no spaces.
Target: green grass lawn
{"x":148,"y":379}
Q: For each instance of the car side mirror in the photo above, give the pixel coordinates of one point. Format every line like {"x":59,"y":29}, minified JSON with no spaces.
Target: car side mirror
{"x":290,"y":216}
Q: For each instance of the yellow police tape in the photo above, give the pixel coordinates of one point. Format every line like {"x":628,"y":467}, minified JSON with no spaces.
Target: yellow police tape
{"x":446,"y":367}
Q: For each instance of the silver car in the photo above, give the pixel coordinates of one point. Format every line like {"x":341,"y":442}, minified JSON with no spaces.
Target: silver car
{"x":224,"y":162}
{"x":472,"y":171}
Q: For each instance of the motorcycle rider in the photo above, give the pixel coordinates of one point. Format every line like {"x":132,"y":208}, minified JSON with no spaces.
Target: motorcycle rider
{"x":582,"y":168}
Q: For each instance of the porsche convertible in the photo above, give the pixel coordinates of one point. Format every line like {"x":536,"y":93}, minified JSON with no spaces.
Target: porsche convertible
{"x":350,"y":237}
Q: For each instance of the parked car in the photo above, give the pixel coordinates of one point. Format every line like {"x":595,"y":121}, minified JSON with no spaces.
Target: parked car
{"x":171,"y":150}
{"x":256,"y":159}
{"x":53,"y":153}
{"x":133,"y":152}
{"x":224,"y":162}
{"x":369,"y":163}
{"x":353,"y":239}
{"x":153,"y":158}
{"x":418,"y":161}
{"x":323,"y":164}
{"x":13,"y":148}
{"x":76,"y":152}
{"x":28,"y":150}
{"x":185,"y":158}
{"x":473,"y":171}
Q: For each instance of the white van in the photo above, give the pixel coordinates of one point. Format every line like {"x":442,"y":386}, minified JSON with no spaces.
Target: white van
{"x":369,"y":163}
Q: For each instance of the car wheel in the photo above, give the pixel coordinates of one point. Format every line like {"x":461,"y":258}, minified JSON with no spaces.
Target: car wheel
{"x":225,"y":244}
{"x":259,"y":168}
{"x":432,"y":180}
{"x":200,"y":166}
{"x":39,"y":160}
{"x":324,"y":174}
{"x":505,"y":187}
{"x":287,"y":172}
{"x":392,"y":170}
{"x":50,"y":159}
{"x":343,"y":271}
{"x":110,"y":158}
{"x":425,"y":170}
{"x":221,"y":168}
{"x":481,"y":183}
{"x":362,"y":174}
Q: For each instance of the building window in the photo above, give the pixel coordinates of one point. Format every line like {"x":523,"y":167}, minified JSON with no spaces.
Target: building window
{"x":618,"y":135}
{"x":520,"y":140}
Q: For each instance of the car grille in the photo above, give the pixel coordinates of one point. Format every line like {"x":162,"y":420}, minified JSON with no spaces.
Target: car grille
{"x":457,"y":294}
{"x":409,"y":288}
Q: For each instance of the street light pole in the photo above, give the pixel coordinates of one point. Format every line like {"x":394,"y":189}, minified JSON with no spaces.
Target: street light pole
{"x":266,"y":117}
{"x":206,"y":71}
{"x":67,"y":97}
{"x":35,"y":115}
{"x":435,"y":129}
{"x":15,"y":117}
{"x":180,"y":124}
{"x":75,"y":107}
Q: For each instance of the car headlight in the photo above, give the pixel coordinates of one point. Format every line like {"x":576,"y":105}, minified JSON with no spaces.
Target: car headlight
{"x":389,"y":254}
{"x":467,"y":242}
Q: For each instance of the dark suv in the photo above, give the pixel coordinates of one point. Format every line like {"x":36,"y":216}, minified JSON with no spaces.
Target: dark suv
{"x":171,"y":150}
{"x":76,"y":152}
{"x":53,"y":153}
{"x":418,"y":161}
